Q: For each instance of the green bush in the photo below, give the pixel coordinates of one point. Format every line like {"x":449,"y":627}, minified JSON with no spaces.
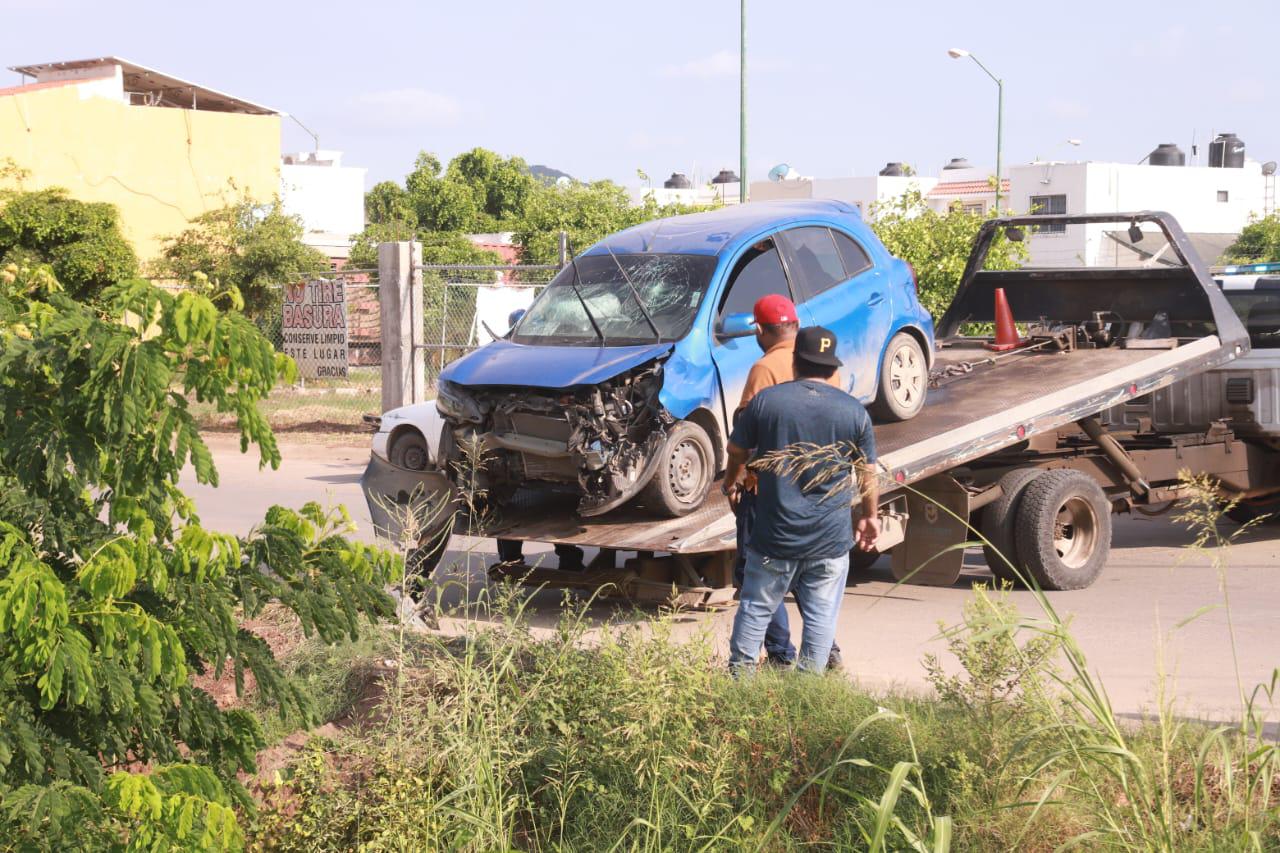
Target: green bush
{"x":112,"y":594}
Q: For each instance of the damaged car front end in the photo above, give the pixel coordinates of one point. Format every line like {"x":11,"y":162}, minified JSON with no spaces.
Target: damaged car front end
{"x":600,"y":441}
{"x":572,"y":398}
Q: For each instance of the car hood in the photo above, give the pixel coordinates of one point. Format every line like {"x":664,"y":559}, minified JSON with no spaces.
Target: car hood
{"x":505,"y":363}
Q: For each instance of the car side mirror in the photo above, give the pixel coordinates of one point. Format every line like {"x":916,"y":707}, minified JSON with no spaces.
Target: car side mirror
{"x":736,"y":326}
{"x":514,"y":317}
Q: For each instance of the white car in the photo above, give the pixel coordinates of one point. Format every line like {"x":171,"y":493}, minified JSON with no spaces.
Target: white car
{"x":409,"y":437}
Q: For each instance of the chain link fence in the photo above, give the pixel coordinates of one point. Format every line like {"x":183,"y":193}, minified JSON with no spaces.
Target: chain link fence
{"x":465,"y":307}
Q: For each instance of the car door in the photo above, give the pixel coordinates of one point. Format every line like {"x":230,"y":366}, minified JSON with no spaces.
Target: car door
{"x":757,"y":271}
{"x":839,"y":287}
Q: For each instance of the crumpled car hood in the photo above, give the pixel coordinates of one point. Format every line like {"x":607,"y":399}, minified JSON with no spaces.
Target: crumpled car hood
{"x":505,"y":363}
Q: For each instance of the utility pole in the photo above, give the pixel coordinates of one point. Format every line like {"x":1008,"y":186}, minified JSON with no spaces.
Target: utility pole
{"x":742,"y":104}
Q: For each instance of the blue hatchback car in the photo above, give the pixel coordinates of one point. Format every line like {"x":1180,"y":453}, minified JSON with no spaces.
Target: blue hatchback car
{"x":621,"y":379}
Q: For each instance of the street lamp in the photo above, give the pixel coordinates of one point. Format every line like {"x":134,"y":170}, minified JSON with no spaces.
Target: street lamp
{"x":960,"y":53}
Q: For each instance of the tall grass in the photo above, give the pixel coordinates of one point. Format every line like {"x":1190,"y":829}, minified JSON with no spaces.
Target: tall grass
{"x":626,"y":737}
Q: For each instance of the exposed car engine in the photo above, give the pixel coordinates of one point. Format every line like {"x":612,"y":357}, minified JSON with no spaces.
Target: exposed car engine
{"x":601,"y":440}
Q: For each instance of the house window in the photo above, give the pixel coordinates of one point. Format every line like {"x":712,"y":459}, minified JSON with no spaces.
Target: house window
{"x":975,"y":207}
{"x":1042,"y":205}
{"x":1222,"y":195}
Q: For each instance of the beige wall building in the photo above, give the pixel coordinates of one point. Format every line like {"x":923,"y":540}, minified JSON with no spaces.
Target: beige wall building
{"x":162,"y":150}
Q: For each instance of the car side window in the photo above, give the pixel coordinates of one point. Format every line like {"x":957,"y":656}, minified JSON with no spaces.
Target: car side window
{"x":854,"y":256}
{"x":816,"y":259}
{"x":758,"y":273}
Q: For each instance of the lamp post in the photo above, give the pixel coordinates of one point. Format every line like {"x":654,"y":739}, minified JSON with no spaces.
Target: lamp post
{"x":960,"y":53}
{"x":742,"y":103}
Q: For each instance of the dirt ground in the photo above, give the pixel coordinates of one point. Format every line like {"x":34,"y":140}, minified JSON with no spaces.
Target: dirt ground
{"x":1128,"y":623}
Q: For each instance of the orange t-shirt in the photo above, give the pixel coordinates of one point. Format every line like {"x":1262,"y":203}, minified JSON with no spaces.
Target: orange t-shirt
{"x":773,"y":368}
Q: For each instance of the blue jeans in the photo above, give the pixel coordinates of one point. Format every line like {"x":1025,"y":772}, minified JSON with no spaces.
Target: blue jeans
{"x":818,"y":585}
{"x":777,"y":636}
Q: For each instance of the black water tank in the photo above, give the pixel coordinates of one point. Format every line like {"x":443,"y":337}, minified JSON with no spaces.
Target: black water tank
{"x":1167,"y":154}
{"x":677,"y":181}
{"x":726,"y":176}
{"x":957,"y":163}
{"x":893,"y":170}
{"x":1227,"y":151}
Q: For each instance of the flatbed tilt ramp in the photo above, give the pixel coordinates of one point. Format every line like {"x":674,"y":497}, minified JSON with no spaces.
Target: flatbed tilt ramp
{"x":1097,"y":338}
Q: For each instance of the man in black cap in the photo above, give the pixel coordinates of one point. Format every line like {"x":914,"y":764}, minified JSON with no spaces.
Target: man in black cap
{"x":803,"y":528}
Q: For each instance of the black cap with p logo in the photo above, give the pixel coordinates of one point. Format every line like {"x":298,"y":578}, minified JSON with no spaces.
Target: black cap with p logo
{"x":817,"y":345}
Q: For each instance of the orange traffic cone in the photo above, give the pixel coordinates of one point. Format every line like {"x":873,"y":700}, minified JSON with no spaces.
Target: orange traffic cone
{"x":1006,"y":333}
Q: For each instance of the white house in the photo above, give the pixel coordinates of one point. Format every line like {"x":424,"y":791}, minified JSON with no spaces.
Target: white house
{"x":327,"y":196}
{"x":1212,"y":204}
{"x":863,"y":192}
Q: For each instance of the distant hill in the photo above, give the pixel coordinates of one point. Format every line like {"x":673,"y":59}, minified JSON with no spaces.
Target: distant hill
{"x":548,"y":175}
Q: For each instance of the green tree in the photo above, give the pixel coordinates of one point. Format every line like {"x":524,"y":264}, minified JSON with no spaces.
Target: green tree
{"x":502,"y":186}
{"x":937,"y":245}
{"x":252,"y":248}
{"x":587,"y":212}
{"x":1258,"y":243}
{"x":80,"y":240}
{"x":388,"y":203}
{"x":113,"y":595}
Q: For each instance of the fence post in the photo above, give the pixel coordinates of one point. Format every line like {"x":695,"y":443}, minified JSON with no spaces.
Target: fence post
{"x":564,"y":248}
{"x":400,"y":306}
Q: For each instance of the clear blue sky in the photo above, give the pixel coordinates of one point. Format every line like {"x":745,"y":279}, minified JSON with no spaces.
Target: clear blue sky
{"x":602,"y":88}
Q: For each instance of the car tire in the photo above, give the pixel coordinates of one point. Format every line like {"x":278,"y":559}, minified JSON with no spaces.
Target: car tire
{"x":1064,"y":529}
{"x":409,"y":450}
{"x":999,"y":524}
{"x":904,"y":380}
{"x":684,"y":473}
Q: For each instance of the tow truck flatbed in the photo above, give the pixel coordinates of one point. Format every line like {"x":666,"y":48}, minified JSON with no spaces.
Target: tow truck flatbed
{"x":1099,"y":338}
{"x":991,"y":408}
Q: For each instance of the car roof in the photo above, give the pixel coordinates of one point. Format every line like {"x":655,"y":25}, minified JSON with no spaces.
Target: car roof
{"x":713,"y":231}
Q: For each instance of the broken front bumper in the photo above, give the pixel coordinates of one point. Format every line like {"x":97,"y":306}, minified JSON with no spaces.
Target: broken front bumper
{"x":408,"y":508}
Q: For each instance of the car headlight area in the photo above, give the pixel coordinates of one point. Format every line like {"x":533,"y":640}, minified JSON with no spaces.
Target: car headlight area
{"x":456,"y":404}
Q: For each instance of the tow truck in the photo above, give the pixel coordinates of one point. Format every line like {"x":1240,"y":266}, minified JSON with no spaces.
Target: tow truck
{"x":1035,"y":446}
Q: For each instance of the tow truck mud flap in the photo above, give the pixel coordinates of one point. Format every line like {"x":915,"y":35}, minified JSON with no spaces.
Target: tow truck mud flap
{"x":408,"y":508}
{"x":930,"y":552}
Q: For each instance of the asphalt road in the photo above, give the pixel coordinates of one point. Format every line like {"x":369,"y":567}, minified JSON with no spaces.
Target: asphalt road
{"x":1129,"y":623}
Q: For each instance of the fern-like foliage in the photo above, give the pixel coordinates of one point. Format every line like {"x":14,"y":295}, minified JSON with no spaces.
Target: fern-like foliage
{"x":112,"y":594}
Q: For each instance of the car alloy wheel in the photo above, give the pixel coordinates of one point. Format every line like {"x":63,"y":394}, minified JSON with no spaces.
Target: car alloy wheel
{"x":907,"y":376}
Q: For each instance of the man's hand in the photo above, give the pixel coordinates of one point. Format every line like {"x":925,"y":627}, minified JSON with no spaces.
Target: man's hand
{"x":867,"y":532}
{"x":734,"y":494}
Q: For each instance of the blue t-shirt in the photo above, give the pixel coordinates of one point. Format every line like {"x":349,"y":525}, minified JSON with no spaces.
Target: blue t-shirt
{"x":800,"y":518}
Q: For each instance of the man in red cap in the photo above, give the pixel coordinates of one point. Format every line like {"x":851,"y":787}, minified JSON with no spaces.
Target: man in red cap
{"x":777,"y":324}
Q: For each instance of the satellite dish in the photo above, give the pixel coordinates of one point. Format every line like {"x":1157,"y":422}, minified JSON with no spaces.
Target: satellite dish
{"x":562,"y":181}
{"x":1269,"y":168}
{"x":781,"y":172}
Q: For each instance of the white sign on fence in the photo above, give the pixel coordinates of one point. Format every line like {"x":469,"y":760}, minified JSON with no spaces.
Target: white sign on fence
{"x":314,"y":328}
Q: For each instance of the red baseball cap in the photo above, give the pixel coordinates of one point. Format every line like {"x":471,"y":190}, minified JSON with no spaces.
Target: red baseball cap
{"x":774,"y":309}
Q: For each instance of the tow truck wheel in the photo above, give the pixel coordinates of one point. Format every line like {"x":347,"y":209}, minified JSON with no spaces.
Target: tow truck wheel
{"x":998,"y":524}
{"x":1064,"y":529}
{"x":904,"y":380}
{"x":685,"y":472}
{"x":409,"y":450}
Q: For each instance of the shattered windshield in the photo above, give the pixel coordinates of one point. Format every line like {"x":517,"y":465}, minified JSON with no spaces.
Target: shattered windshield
{"x":670,"y":288}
